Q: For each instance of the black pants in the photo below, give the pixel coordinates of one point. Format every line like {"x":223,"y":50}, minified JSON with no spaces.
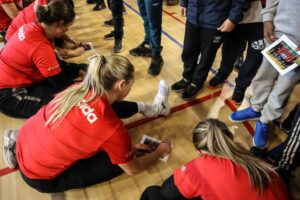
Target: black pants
{"x":199,"y":41}
{"x":116,"y":7}
{"x":25,"y":102}
{"x":233,"y":43}
{"x":86,"y":172}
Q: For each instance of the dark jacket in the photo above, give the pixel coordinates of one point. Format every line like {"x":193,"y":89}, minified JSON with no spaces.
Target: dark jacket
{"x":212,"y":13}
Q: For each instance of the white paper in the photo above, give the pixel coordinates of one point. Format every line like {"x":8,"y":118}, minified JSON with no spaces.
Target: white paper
{"x":163,"y":158}
{"x":282,"y":55}
{"x":92,"y":57}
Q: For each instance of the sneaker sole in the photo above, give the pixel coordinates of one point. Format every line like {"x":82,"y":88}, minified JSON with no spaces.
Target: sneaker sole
{"x":109,"y":38}
{"x":242,"y":120}
{"x":180,"y":90}
{"x":259,"y":147}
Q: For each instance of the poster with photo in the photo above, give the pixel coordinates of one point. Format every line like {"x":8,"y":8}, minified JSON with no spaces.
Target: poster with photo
{"x":282,"y":54}
{"x":153,"y":144}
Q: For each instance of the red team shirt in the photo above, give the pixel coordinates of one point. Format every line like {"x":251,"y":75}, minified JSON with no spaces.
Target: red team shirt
{"x":5,"y":20}
{"x":215,"y":178}
{"x":45,"y":153}
{"x":27,"y":58}
{"x":25,"y":16}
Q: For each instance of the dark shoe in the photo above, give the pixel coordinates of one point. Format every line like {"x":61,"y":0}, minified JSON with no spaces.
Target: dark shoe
{"x":91,"y":1}
{"x":99,"y":6}
{"x":141,"y":50}
{"x":124,"y":10}
{"x":238,"y":95}
{"x":217,"y":80}
{"x":109,"y":36}
{"x":190,"y":92}
{"x":118,"y":46}
{"x":239,"y":62}
{"x":180,"y":85}
{"x":109,"y":22}
{"x":156,"y":65}
{"x":172,"y":2}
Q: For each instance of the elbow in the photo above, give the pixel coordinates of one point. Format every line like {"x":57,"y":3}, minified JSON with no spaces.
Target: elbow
{"x":132,"y":172}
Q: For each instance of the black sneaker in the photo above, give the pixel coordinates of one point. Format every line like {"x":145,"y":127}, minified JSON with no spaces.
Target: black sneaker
{"x":217,"y":80}
{"x":179,"y":85}
{"x":238,"y":95}
{"x":156,"y":66}
{"x":239,"y":62}
{"x":91,"y":1}
{"x":109,"y":36}
{"x":118,"y":46}
{"x":141,"y":50}
{"x":99,"y":6}
{"x":190,"y":92}
{"x":109,"y":22}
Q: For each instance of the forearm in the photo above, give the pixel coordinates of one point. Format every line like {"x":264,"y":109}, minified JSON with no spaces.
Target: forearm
{"x":237,"y":10}
{"x":269,"y":11}
{"x":10,"y":9}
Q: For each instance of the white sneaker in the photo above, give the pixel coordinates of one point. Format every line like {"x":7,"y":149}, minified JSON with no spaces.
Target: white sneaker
{"x":161,"y":101}
{"x":9,"y":148}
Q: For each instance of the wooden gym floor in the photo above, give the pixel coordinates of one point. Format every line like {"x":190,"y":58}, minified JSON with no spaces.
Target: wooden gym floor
{"x":177,"y":127}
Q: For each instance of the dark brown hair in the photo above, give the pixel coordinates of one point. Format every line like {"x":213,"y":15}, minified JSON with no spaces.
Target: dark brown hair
{"x":56,"y":11}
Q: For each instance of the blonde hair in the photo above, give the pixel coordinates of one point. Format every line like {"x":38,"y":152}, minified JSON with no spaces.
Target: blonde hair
{"x":214,"y":136}
{"x":101,"y":76}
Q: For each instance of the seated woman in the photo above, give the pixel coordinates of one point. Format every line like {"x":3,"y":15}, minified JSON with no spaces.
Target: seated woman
{"x":28,"y":15}
{"x":78,"y":140}
{"x":30,"y":74}
{"x":224,"y":170}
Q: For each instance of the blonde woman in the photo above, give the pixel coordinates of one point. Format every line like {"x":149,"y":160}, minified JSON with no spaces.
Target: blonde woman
{"x":224,"y":170}
{"x":78,"y":140}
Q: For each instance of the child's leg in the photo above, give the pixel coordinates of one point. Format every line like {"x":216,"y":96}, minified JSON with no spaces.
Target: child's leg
{"x":117,"y":13}
{"x":25,"y":102}
{"x":191,"y":50}
{"x":279,"y":95}
{"x":154,"y":14}
{"x":143,"y":12}
{"x":83,"y":173}
{"x":211,"y":40}
{"x":254,"y":58}
{"x":262,"y":84}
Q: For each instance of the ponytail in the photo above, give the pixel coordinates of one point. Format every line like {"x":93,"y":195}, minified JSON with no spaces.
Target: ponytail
{"x":56,"y":11}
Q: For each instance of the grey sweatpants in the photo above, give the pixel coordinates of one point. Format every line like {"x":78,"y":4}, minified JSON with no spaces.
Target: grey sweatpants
{"x":269,"y":95}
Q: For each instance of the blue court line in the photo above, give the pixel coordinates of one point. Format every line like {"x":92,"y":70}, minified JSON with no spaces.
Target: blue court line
{"x":231,"y":85}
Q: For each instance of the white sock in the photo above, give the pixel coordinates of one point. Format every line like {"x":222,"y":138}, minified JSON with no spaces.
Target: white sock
{"x":161,"y":104}
{"x":146,"y":109}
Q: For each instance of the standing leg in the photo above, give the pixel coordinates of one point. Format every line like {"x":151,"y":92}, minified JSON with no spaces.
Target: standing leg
{"x":117,"y":13}
{"x":83,"y":173}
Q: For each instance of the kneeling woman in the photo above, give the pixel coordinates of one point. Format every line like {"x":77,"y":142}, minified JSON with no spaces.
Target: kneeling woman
{"x":29,"y":72}
{"x":78,"y":140}
{"x":224,"y":170}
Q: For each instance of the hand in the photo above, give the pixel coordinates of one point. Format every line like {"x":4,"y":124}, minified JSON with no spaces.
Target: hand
{"x":227,"y":26}
{"x":77,"y":52}
{"x":165,"y":147}
{"x":183,"y":11}
{"x":269,"y":31}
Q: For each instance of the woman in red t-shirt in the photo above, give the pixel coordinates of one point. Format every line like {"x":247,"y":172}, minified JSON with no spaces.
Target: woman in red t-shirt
{"x":224,"y":170}
{"x":78,"y":140}
{"x":30,"y":74}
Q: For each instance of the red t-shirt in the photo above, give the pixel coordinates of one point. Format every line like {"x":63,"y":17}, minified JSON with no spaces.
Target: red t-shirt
{"x":44,"y":152}
{"x":213,"y":178}
{"x":5,"y":20}
{"x":25,"y":16}
{"x":27,"y":58}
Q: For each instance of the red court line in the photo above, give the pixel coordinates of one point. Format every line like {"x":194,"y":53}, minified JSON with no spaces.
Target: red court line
{"x":246,"y":123}
{"x":134,"y":124}
{"x":174,"y":17}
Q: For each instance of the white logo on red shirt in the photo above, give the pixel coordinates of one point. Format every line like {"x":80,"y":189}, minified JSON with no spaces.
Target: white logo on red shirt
{"x":21,"y":34}
{"x":88,"y":111}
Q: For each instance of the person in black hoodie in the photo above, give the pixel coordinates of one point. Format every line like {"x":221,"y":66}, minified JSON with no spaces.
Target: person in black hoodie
{"x":207,"y":23}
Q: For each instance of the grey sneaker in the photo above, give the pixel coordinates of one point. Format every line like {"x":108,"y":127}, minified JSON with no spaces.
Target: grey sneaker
{"x":9,"y":148}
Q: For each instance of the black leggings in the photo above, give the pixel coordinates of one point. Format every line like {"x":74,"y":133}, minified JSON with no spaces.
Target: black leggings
{"x":168,"y":191}
{"x":86,"y":172}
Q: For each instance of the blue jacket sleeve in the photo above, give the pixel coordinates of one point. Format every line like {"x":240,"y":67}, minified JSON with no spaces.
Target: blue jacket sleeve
{"x":184,"y":3}
{"x":238,"y":8}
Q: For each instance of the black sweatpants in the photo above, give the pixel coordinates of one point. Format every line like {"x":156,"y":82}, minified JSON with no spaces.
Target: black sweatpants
{"x":252,"y":34}
{"x":199,"y":41}
{"x":86,"y":172}
{"x":25,"y":102}
{"x":116,"y":7}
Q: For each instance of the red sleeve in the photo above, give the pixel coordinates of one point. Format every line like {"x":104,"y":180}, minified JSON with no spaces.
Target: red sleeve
{"x":6,"y":1}
{"x":44,"y":58}
{"x":187,"y":180}
{"x":119,"y":147}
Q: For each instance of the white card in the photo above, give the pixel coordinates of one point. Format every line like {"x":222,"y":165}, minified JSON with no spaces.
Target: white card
{"x":93,"y":56}
{"x":153,"y":141}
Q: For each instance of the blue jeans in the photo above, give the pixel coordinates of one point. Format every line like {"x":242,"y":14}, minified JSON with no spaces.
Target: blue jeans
{"x":151,"y":12}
